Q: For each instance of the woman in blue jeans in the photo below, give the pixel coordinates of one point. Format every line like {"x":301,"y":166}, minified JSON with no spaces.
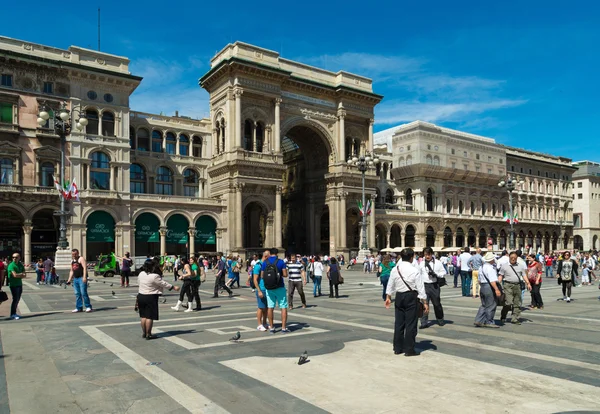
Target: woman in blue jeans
{"x":385,"y":268}
{"x":39,"y":270}
{"x":318,"y":273}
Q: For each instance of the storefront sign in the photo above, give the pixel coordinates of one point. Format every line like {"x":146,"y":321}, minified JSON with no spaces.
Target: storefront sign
{"x":177,"y":230}
{"x":100,"y":228}
{"x":146,"y":228}
{"x":206,"y":229}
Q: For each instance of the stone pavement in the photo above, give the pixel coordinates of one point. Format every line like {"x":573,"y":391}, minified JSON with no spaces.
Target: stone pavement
{"x":56,"y":361}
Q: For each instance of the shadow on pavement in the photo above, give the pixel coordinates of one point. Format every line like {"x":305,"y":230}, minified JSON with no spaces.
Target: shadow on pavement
{"x":427,"y":346}
{"x":167,"y":334}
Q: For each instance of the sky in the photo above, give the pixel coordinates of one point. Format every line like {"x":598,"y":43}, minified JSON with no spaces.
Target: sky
{"x":521,"y":72}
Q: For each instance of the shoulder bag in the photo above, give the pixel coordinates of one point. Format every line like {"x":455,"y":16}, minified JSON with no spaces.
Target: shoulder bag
{"x":420,"y":306}
{"x":521,"y":282}
{"x":500,"y":300}
{"x":441,"y":281}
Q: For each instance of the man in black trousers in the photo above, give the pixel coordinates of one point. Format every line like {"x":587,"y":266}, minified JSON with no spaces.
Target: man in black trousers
{"x":407,"y":285}
{"x":220,"y":278}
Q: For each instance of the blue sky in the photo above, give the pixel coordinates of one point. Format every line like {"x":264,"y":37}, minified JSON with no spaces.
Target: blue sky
{"x":524,"y":73}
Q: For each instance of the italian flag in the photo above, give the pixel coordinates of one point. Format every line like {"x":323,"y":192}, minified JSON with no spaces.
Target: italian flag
{"x":515,"y":218}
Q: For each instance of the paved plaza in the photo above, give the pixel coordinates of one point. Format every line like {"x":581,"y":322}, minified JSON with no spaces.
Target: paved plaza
{"x":56,"y":361}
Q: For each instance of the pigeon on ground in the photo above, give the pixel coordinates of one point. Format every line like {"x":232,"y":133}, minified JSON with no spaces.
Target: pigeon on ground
{"x":235,"y":337}
{"x":360,"y":284}
{"x":113,"y":293}
{"x":111,"y":285}
{"x":303,"y":358}
{"x":164,"y":300}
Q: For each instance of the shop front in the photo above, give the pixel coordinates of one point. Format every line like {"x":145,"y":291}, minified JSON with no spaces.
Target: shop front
{"x":11,"y":232}
{"x":147,"y":235}
{"x":100,"y":235}
{"x":177,"y":235}
{"x":206,"y":235}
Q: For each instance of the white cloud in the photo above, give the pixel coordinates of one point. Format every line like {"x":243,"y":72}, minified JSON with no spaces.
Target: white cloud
{"x":366,"y":64}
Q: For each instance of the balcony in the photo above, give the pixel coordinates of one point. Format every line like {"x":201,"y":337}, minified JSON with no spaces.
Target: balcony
{"x":175,"y":199}
{"x":20,"y":190}
{"x":9,"y":128}
{"x":46,"y":133}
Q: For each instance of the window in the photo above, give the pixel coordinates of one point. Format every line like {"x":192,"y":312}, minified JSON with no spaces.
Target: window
{"x":472,"y":208}
{"x":408,"y":200}
{"x":453,"y":151}
{"x":489,"y":170}
{"x":402,"y":162}
{"x":577,"y":221}
{"x":512,"y":168}
{"x":184,"y":145}
{"x":579,"y":184}
{"x":429,"y":147}
{"x":477,"y":169}
{"x":164,"y":181}
{"x":483,"y":209}
{"x":7,"y":171}
{"x":47,"y":174}
{"x":100,"y":171}
{"x":465,"y":154}
{"x":448,"y":206}
{"x":408,"y":147}
{"x":6,"y":113}
{"x":248,"y":127}
{"x":92,"y":95}
{"x":137,"y":179}
{"x":494,"y":210}
{"x":190,"y":183}
{"x":48,"y":87}
{"x":429,"y":200}
{"x":501,"y":161}
{"x":436,"y":160}
{"x":489,"y":158}
{"x":108,"y":97}
{"x":476,"y":156}
{"x":453,"y":165}
{"x":108,"y":124}
{"x":521,"y":169}
{"x":409,"y":160}
{"x":466,"y":167}
{"x":171,"y":143}
{"x":429,"y":160}
{"x":157,"y":140}
{"x":579,"y":196}
{"x":461,"y":207}
{"x":197,"y":147}
{"x":260,"y":137}
{"x":6,"y":80}
{"x":92,"y":126}
{"x":143,"y":140}
{"x":530,"y":171}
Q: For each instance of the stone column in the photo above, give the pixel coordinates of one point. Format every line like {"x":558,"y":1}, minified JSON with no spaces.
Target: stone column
{"x":112,"y":185}
{"x":342,"y":220}
{"x":219,"y":241}
{"x":192,"y":240}
{"x":163,"y":239}
{"x":27,"y":228}
{"x":239,"y":216}
{"x":370,"y":141}
{"x":83,"y":243}
{"x":342,"y":134}
{"x":278,"y":229}
{"x":277,"y":136}
{"x":216,"y":140}
{"x":36,"y":179}
{"x":238,"y":117}
{"x":254,"y":144}
{"x":371,"y":231}
{"x":388,"y":237}
{"x":177,"y":145}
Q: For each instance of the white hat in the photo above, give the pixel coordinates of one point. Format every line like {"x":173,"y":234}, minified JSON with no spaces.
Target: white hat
{"x":489,"y":257}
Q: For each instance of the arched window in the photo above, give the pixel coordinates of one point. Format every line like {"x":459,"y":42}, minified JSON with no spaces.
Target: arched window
{"x":49,"y":123}
{"x":448,"y":237}
{"x":389,"y":198}
{"x":92,"y":126}
{"x":483,"y":209}
{"x":46,"y":174}
{"x":108,"y":124}
{"x":391,"y":175}
{"x":248,"y":127}
{"x":429,"y":199}
{"x":378,"y":169}
{"x":137,"y":179}
{"x":436,"y":160}
{"x":385,"y":170}
{"x":408,"y":200}
{"x":7,"y":171}
{"x":171,"y":143}
{"x":260,"y":137}
{"x":472,"y":208}
{"x":494,"y":210}
{"x":157,"y":141}
{"x":164,"y":181}
{"x":448,"y":206}
{"x":402,"y":162}
{"x":184,"y":145}
{"x":461,"y":208}
{"x":190,"y":183}
{"x":503,"y":210}
{"x":409,"y":160}
{"x":348,"y":147}
{"x":143,"y":140}
{"x":132,"y":140}
{"x":197,"y":147}
{"x":429,"y":159}
{"x":100,"y":171}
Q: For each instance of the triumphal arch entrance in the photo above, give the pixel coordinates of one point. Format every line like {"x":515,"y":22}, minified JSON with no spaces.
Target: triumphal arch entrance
{"x":282,"y":132}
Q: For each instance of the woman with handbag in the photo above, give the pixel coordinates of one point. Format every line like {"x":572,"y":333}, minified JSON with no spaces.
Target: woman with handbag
{"x":186,"y":289}
{"x":534,"y":274}
{"x":151,"y":286}
{"x":406,"y":284}
{"x":334,"y":275}
{"x":566,"y":273}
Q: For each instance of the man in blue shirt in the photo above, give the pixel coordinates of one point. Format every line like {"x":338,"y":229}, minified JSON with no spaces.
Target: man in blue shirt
{"x":278,"y":295}
{"x":261,"y":293}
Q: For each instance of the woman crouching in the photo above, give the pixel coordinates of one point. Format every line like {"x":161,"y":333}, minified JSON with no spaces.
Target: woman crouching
{"x":151,"y":286}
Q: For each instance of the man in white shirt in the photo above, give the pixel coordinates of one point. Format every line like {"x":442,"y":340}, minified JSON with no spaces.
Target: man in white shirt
{"x":503,"y":259}
{"x":489,"y":290}
{"x":431,"y":270}
{"x":406,"y":284}
{"x":465,"y":272}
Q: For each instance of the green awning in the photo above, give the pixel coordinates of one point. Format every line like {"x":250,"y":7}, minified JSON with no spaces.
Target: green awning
{"x":146,"y":228}
{"x":100,"y":227}
{"x":177,"y":229}
{"x":206,"y":229}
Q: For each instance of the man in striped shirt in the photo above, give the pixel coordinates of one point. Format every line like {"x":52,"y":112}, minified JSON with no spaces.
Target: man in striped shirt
{"x":297,"y":280}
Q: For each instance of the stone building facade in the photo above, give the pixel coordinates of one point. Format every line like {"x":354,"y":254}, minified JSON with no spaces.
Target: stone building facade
{"x":586,"y":205}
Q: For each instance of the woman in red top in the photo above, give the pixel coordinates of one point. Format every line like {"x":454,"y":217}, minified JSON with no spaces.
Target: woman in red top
{"x":534,"y":274}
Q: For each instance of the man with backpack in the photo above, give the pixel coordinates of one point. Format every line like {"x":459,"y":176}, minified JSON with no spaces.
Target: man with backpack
{"x":272,"y":273}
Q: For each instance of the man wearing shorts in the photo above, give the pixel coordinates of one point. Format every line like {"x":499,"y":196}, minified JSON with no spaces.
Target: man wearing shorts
{"x":278,"y":295}
{"x":261,"y":293}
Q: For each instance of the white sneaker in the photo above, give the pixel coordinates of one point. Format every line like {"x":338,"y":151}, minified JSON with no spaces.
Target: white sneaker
{"x":88,"y":310}
{"x":15,"y":317}
{"x":253,"y":290}
{"x":261,"y":328}
{"x":75,"y":311}
{"x":568,"y":299}
{"x":38,"y":283}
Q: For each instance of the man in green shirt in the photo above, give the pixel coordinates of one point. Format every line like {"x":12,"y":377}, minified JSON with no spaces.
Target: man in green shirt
{"x":15,"y":272}
{"x":196,"y":277}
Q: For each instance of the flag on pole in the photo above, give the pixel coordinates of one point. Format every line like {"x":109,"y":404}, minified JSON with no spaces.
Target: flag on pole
{"x":515,"y":218}
{"x":58,"y":186}
{"x":74,"y":191}
{"x":364,"y":209}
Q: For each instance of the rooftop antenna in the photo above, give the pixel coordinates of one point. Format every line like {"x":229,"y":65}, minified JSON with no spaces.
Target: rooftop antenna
{"x":98,"y":29}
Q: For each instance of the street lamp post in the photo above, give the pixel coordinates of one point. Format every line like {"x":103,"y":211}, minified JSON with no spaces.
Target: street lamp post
{"x":510,"y":185}
{"x":62,"y":127}
{"x":364,"y":163}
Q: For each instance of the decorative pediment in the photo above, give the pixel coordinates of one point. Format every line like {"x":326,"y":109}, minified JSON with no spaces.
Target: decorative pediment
{"x":47,"y":152}
{"x":10,"y":149}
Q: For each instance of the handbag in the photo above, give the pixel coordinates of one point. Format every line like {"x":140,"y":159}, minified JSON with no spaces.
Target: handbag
{"x":340,"y":280}
{"x":3,"y":296}
{"x":521,"y":282}
{"x":420,"y":306}
{"x":202,"y":276}
{"x":500,"y":300}
{"x":441,"y":281}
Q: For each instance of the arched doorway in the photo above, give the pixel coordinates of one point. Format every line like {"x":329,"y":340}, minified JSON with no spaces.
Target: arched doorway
{"x":554,"y":241}
{"x":147,"y":235}
{"x":409,"y":236}
{"x":395,"y":236}
{"x":177,"y":235}
{"x":482,"y":238}
{"x":521,"y":240}
{"x":448,"y":237}
{"x":429,"y":237}
{"x":255,"y":226}
{"x":11,"y":232}
{"x":566,"y":241}
{"x":306,"y":152}
{"x":503,"y":239}
{"x":494,"y":237}
{"x":578,"y":243}
{"x":471,"y":237}
{"x":380,"y":236}
{"x":529,"y":240}
{"x":100,"y":235}
{"x":547,"y":242}
{"x":353,"y":222}
{"x":538,"y":241}
{"x":460,"y":237}
{"x":44,"y":236}
{"x":205,"y":240}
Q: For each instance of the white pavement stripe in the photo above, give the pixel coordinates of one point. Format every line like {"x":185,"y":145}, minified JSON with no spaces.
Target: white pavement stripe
{"x":537,"y":313}
{"x":461,"y":342}
{"x":23,"y":307}
{"x":180,"y":325}
{"x":31,"y":285}
{"x":190,"y":345}
{"x":98,"y":298}
{"x":222,"y":316}
{"x":189,"y":398}
{"x":206,"y":292}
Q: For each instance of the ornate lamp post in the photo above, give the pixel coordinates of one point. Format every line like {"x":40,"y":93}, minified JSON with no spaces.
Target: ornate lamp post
{"x":510,"y":185}
{"x":364,"y":163}
{"x":62,"y":127}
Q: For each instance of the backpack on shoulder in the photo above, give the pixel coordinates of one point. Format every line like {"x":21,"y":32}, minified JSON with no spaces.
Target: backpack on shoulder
{"x":272,"y":278}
